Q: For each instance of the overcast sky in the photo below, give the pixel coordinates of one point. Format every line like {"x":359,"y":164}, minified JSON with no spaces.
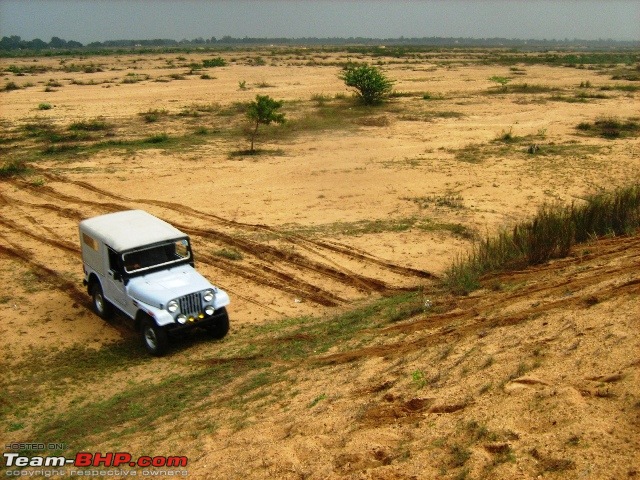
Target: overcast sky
{"x":99,"y":20}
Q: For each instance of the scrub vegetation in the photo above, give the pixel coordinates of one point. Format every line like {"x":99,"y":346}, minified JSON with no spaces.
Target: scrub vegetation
{"x":550,"y":234}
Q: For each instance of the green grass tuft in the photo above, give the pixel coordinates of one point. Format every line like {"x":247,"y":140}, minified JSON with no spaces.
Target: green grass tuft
{"x":13,"y":168}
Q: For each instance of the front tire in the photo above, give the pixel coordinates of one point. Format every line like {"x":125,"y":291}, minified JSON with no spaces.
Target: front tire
{"x":154,"y":338}
{"x":220,"y":328}
{"x":101,"y":305}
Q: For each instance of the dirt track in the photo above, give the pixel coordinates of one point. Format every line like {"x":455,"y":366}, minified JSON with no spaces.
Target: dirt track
{"x":323,"y":273}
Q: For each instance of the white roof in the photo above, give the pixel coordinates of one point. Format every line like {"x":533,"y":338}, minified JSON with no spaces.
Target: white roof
{"x":129,"y":229}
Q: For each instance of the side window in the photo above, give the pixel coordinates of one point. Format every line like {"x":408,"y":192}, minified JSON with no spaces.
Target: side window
{"x":181,"y":249}
{"x":114,"y":260}
{"x":90,"y":241}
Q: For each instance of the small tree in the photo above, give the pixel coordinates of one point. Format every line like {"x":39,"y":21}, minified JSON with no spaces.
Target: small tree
{"x":263,"y":110}
{"x":501,"y":81}
{"x":371,"y":84}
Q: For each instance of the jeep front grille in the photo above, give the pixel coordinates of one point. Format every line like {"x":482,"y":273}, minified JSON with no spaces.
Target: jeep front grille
{"x":190,"y":304}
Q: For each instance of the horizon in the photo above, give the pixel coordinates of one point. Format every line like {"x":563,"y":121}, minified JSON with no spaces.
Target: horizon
{"x":89,"y":21}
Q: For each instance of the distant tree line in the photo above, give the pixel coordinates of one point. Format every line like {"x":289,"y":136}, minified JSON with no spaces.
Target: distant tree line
{"x":14,"y":42}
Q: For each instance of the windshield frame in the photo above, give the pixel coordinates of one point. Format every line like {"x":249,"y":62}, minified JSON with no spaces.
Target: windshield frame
{"x":187,"y":258}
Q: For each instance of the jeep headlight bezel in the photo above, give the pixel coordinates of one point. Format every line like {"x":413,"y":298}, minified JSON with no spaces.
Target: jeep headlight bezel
{"x":208,"y":296}
{"x":172,"y":306}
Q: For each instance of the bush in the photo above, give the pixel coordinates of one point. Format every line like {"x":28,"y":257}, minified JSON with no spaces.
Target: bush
{"x":89,"y":125}
{"x":11,"y":86}
{"x":158,"y":138}
{"x":549,"y":235}
{"x":611,"y":128}
{"x":371,"y":84}
{"x":214,"y":62}
{"x":153,"y":115}
{"x":13,"y":168}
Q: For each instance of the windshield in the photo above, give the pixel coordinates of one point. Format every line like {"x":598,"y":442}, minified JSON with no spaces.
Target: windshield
{"x":156,"y":256}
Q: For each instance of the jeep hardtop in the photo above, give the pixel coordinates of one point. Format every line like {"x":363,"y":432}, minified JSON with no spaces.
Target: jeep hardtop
{"x":143,"y":267}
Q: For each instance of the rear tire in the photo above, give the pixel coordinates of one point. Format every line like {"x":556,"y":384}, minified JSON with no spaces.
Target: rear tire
{"x":154,"y":338}
{"x":220,"y":329}
{"x":101,"y":305}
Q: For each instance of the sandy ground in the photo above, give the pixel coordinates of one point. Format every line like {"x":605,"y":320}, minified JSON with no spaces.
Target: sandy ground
{"x":291,"y":214}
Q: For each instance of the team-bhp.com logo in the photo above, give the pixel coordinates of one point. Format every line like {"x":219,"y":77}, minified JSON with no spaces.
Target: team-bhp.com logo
{"x":87,"y":464}
{"x":86,"y":459}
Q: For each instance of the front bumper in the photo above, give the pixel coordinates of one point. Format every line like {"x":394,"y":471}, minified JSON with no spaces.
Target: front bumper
{"x":219,"y":315}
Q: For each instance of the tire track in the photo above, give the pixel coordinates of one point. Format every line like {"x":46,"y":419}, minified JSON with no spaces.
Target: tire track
{"x":368,"y":258}
{"x":283,"y":282}
{"x":66,"y":246}
{"x":60,"y":283}
{"x":266,"y":253}
{"x":273,"y":278}
{"x":271,"y":254}
{"x":347,"y":251}
{"x":464,"y":317}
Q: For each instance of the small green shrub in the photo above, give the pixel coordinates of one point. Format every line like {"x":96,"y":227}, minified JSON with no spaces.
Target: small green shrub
{"x":257,"y":61}
{"x":418,"y":379}
{"x":94,"y":125}
{"x":11,"y":86}
{"x":153,"y":115}
{"x":371,"y":85}
{"x":507,"y":136}
{"x":44,"y":106}
{"x":264,"y":84}
{"x":214,"y":62}
{"x":611,"y":128}
{"x":13,"y":168}
{"x":134,"y":78}
{"x":158,"y":138}
{"x":459,"y":455}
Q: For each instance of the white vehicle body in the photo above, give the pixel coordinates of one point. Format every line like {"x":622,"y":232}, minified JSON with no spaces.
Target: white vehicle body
{"x":144,"y":267}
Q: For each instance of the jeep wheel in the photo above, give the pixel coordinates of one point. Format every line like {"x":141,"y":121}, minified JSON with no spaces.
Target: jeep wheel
{"x":220,"y":328}
{"x":154,"y":337}
{"x":101,"y":306}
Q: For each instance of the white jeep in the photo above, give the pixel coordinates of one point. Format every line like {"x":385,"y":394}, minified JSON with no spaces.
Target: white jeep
{"x":143,"y":267}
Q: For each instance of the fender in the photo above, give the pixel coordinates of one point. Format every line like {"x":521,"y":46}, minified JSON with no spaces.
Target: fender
{"x":162,"y":317}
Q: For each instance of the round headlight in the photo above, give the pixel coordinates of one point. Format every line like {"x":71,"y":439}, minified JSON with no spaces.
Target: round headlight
{"x":172,"y":306}
{"x":209,"y":310}
{"x":182,"y":319}
{"x":208,"y":296}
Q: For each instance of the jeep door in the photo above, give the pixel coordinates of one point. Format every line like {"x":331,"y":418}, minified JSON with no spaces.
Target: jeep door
{"x":114,"y":288}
